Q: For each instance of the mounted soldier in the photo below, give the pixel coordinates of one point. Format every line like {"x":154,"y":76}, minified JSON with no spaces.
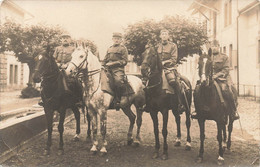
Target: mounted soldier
{"x":114,"y":62}
{"x":168,"y":53}
{"x":220,"y":63}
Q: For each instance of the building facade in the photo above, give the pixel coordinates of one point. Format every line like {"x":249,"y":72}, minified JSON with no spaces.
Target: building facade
{"x":236,"y":25}
{"x":13,"y":74}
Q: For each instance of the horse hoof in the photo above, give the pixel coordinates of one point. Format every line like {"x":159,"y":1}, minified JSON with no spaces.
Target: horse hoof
{"x":94,"y":150}
{"x":199,"y":160}
{"x":103,"y":151}
{"x":164,"y":157}
{"x":130,"y":142}
{"x":76,"y":138}
{"x":220,"y":161}
{"x":61,"y":152}
{"x":187,"y":148}
{"x":177,"y":144}
{"x":46,"y":152}
{"x":136,"y":143}
{"x":155,"y":155}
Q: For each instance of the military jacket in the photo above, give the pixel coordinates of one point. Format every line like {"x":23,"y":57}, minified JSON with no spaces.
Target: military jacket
{"x":221,"y":64}
{"x":168,"y":51}
{"x":116,"y":53}
{"x":62,"y":54}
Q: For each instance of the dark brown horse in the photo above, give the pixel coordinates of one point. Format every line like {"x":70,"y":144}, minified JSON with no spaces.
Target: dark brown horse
{"x":158,"y":100}
{"x":209,"y":107}
{"x":54,"y":97}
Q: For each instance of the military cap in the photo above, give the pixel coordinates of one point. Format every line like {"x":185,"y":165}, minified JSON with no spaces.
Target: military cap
{"x":65,"y":35}
{"x":215,"y":43}
{"x":117,"y":34}
{"x":164,"y":30}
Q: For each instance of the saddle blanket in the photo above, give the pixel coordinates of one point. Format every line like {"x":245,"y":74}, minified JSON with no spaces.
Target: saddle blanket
{"x":165,"y":85}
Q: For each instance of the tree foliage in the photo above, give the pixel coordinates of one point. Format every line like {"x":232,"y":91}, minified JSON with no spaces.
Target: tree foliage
{"x":187,"y":34}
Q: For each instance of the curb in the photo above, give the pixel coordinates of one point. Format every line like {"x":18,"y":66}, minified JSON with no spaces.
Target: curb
{"x":18,"y":134}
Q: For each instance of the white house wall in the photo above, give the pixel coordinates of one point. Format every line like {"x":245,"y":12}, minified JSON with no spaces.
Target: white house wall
{"x":248,"y":50}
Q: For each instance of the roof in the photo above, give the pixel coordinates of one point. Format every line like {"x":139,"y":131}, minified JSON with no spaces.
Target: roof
{"x":197,"y":5}
{"x":249,"y":6}
{"x":17,"y":7}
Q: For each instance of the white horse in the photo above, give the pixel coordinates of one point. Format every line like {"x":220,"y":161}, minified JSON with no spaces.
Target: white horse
{"x":98,"y":101}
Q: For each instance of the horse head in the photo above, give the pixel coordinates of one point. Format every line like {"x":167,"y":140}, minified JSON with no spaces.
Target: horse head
{"x":205,"y":67}
{"x":151,"y":63}
{"x":82,"y":60}
{"x":45,"y":66}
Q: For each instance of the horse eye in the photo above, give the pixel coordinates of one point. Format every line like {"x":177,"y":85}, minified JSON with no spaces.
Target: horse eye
{"x":81,"y":56}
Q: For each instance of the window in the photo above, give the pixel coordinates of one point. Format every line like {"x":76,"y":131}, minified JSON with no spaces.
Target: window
{"x":214,"y":24}
{"x":224,"y":50}
{"x":230,"y":55}
{"x":15,"y":74}
{"x":228,"y":13}
{"x":11,"y":74}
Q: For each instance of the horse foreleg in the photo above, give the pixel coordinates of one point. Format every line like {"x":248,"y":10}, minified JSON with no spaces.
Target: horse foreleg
{"x":224,"y":141}
{"x":93,"y":117}
{"x":103,"y":128}
{"x":131,"y":117}
{"x":77,"y":117}
{"x":230,"y":128}
{"x":154,"y":116}
{"x":49,"y":118}
{"x":188,"y":123}
{"x":61,"y":130}
{"x":202,"y":138}
{"x":219,"y":137}
{"x":178,"y":123}
{"x":165,"y":133}
{"x":139,"y":124}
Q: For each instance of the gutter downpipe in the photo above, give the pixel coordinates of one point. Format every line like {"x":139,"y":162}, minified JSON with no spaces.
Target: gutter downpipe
{"x":238,"y":49}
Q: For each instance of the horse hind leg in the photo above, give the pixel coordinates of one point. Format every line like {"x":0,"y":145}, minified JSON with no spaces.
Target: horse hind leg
{"x":77,"y":117}
{"x":61,"y":130}
{"x":49,"y":118}
{"x":103,"y":128}
{"x":127,"y":110}
{"x":230,"y":128}
{"x":224,"y":142}
{"x":93,"y":117}
{"x":188,"y":124}
{"x":139,"y":124}
{"x":89,"y":124}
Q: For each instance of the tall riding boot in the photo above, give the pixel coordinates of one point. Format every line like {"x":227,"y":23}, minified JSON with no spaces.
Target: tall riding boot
{"x":181,"y":107}
{"x":65,"y":83}
{"x":117,"y":98}
{"x":231,"y":101}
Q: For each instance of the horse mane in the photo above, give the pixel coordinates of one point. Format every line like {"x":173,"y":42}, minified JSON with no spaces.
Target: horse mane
{"x":95,"y":63}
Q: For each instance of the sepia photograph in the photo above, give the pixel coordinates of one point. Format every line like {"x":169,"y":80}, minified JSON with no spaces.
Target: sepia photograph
{"x":129,"y":83}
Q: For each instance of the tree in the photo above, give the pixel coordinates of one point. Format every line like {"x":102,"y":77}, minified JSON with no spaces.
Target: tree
{"x":187,"y":34}
{"x":26,"y":41}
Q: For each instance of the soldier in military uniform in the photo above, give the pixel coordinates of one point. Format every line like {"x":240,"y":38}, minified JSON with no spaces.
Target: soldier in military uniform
{"x":168,"y":53}
{"x":220,"y":64}
{"x":115,"y":61}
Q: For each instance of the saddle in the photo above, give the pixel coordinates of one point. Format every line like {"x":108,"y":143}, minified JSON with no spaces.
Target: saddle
{"x":107,"y":84}
{"x":165,"y":85}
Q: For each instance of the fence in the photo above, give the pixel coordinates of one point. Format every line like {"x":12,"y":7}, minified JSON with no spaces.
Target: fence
{"x":249,"y":91}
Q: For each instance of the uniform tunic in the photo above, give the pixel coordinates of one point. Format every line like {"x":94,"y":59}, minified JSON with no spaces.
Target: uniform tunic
{"x":62,"y":54}
{"x":117,"y":54}
{"x":168,"y":51}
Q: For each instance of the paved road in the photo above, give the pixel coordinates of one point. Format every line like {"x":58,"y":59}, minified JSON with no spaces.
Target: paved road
{"x":244,"y":149}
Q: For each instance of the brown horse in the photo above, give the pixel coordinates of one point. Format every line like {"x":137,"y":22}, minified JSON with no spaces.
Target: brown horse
{"x":54,"y":97}
{"x":158,"y":100}
{"x":209,"y":107}
{"x":99,"y":101}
